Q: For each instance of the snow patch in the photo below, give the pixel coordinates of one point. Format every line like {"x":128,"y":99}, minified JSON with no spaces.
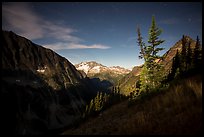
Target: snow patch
{"x":96,"y":69}
{"x":18,"y":80}
{"x":83,"y":67}
{"x":41,"y":70}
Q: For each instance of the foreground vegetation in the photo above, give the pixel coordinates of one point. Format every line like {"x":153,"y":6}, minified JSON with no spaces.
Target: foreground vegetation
{"x":177,"y":110}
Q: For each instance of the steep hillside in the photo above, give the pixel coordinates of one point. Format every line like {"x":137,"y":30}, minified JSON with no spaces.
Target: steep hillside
{"x":19,"y":53}
{"x":41,"y":91}
{"x":127,"y":84}
{"x":175,"y":111}
{"x":168,"y":56}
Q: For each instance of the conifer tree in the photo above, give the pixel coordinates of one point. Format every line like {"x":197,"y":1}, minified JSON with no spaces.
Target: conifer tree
{"x":197,"y":54}
{"x":96,"y":102}
{"x":183,"y":54}
{"x":151,"y":75}
{"x":101,"y":102}
{"x":91,"y":106}
{"x":189,"y":56}
{"x":118,"y":89}
{"x":175,"y":66}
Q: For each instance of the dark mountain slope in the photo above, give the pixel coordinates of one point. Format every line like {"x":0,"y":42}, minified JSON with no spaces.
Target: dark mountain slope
{"x":41,"y":91}
{"x":19,"y":53}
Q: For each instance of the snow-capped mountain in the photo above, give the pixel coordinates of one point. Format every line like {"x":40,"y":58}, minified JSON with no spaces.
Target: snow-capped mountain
{"x":93,"y":67}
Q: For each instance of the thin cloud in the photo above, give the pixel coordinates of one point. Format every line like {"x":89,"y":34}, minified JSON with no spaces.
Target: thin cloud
{"x":170,"y":21}
{"x":60,"y":32}
{"x":62,"y":46}
{"x":132,"y":39}
{"x":20,"y":18}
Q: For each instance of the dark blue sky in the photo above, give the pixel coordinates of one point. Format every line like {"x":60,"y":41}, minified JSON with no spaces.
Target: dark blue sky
{"x":103,"y":32}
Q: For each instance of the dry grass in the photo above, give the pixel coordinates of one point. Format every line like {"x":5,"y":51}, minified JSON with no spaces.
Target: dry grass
{"x":175,"y":111}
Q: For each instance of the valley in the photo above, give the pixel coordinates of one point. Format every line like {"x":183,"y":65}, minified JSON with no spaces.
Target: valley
{"x":65,"y":68}
{"x":64,"y":91}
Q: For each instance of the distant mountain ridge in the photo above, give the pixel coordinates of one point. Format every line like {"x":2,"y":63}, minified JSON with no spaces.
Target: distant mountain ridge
{"x":93,"y":67}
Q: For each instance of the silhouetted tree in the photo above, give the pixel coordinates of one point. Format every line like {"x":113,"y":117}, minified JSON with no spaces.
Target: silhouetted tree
{"x":189,"y":56}
{"x":188,"y":60}
{"x":183,"y":54}
{"x":175,"y":66}
{"x":197,"y":56}
{"x":118,"y":89}
{"x":91,"y":106}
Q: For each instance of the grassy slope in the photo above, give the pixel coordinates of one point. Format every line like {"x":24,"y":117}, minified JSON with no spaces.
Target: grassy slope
{"x":178,"y":110}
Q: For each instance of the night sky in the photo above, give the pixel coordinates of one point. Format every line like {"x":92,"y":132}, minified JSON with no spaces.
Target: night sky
{"x":101,"y":32}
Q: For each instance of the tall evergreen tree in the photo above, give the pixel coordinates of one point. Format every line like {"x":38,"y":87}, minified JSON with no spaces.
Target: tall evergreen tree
{"x":189,"y":56}
{"x":197,"y":54}
{"x":151,"y":74}
{"x":97,"y":102}
{"x":175,"y":66}
{"x":183,"y":54}
{"x":154,"y":40}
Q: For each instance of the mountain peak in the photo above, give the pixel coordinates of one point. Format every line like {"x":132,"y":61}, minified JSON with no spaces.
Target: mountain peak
{"x":93,"y":67}
{"x":168,"y":56}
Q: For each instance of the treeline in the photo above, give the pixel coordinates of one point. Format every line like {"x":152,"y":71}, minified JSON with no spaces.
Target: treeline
{"x":103,"y":101}
{"x":187,"y":61}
